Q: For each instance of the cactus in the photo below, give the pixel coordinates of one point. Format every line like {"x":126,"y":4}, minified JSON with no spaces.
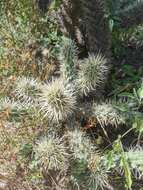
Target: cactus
{"x":51,"y":153}
{"x":80,"y":145}
{"x":98,"y":174}
{"x":98,"y":37}
{"x":69,"y":20}
{"x":134,"y":156}
{"x":26,"y":89}
{"x":92,"y":74}
{"x":8,"y":104}
{"x":57,"y":100}
{"x":90,"y":174}
{"x":106,"y":114}
{"x":11,"y":109}
{"x":68,"y":59}
{"x":98,"y":179}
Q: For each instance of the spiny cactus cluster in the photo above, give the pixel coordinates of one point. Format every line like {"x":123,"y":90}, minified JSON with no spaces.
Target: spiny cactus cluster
{"x":58,"y":98}
{"x":75,"y":155}
{"x":68,"y":155}
{"x":59,"y":102}
{"x":107,"y":115}
{"x":92,"y":74}
{"x":51,"y":153}
{"x":26,"y":89}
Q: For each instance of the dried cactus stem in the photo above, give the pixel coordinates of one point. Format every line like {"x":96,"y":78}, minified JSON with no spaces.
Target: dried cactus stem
{"x":69,"y":20}
{"x":98,"y":37}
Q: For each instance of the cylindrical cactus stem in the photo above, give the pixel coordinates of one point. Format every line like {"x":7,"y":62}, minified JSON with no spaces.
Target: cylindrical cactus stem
{"x":68,"y":59}
{"x":98,"y":36}
{"x":69,"y":20}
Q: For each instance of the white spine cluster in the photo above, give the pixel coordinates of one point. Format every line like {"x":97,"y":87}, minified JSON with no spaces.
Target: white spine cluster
{"x":51,"y":153}
{"x":106,"y":114}
{"x":80,"y":145}
{"x":92,"y":73}
{"x":26,"y":89}
{"x":8,"y":104}
{"x":57,"y":101}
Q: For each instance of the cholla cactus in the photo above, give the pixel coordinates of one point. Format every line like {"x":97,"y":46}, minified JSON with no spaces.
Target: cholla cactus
{"x":26,"y":89}
{"x":57,"y":101}
{"x":106,"y":114}
{"x":98,"y":179}
{"x":135,"y":158}
{"x":95,"y":22}
{"x":86,"y":22}
{"x":8,"y":104}
{"x":68,"y":59}
{"x":51,"y":153}
{"x":98,"y":174}
{"x":90,"y":174}
{"x":69,"y":21}
{"x":92,"y":74}
{"x":80,"y":145}
{"x":10,"y":109}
